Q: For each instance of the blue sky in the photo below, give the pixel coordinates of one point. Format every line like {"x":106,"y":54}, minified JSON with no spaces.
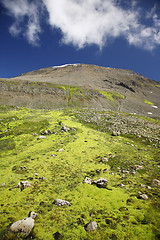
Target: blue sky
{"x":112,"y":33}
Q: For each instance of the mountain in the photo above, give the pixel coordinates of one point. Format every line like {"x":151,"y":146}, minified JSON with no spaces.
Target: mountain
{"x":88,"y":173}
{"x":83,"y":85}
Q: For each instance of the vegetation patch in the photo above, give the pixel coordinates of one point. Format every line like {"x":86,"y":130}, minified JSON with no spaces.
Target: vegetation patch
{"x":76,"y":144}
{"x":112,"y":96}
{"x":148,"y":102}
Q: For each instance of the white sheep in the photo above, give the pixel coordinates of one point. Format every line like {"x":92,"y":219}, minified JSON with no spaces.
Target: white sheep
{"x":25,"y":225}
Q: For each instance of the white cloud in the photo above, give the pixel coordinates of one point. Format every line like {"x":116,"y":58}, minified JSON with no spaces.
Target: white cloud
{"x":22,"y":10}
{"x":86,"y":22}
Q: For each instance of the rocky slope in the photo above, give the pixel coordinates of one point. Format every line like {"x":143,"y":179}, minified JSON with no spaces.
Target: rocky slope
{"x":83,"y":86}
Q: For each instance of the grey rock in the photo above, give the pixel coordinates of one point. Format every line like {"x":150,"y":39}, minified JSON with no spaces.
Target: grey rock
{"x":88,"y":180}
{"x":92,"y":226}
{"x":35,"y":134}
{"x":116,"y":133}
{"x":156,"y":182}
{"x":46,"y":132}
{"x":121,"y":185}
{"x":42,"y":178}
{"x":23,"y":184}
{"x":41,"y":137}
{"x":3,"y":184}
{"x":60,"y":202}
{"x":65,"y":129}
{"x":104,"y":159}
{"x":60,"y":150}
{"x":143,"y":196}
{"x":25,"y":225}
{"x":101,"y":183}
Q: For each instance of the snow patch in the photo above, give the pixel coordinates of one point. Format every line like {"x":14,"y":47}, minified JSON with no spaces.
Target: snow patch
{"x":65,"y":65}
{"x":149,"y":113}
{"x":154,"y":106}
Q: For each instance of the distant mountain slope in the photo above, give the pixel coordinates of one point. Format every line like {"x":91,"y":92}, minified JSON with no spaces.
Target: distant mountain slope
{"x":84,"y":85}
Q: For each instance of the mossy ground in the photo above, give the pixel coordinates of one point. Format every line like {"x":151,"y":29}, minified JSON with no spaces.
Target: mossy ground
{"x":118,"y":211}
{"x":148,"y":102}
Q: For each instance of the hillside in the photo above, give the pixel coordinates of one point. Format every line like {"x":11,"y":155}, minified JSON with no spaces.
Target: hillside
{"x":80,"y":146}
{"x":81,"y":85}
{"x":56,"y":151}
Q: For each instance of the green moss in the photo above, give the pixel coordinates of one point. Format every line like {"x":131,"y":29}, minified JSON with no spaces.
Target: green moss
{"x":117,"y":211}
{"x":7,"y":144}
{"x":148,"y":102}
{"x":111,"y":96}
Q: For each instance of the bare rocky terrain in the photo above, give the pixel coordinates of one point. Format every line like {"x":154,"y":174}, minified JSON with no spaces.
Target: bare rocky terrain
{"x":82,"y":85}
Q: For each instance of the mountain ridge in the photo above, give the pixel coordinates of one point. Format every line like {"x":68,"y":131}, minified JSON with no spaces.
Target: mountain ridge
{"x":84,"y":85}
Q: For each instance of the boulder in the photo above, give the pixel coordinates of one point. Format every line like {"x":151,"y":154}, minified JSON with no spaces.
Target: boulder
{"x":60,"y":202}
{"x":25,"y":225}
{"x":88,"y":180}
{"x":23,"y":184}
{"x":101,"y":183}
{"x":91,"y":226}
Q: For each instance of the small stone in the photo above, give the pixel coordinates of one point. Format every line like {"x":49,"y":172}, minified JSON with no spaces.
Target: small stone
{"x":101,"y":183}
{"x":138,"y":167}
{"x":42,"y":178}
{"x":115,"y":133}
{"x":133,"y":172}
{"x":143,"y":196}
{"x":106,"y":170}
{"x":23,"y":184}
{"x":156,"y":182}
{"x":35,"y":134}
{"x":121,"y":185}
{"x":60,"y":202}
{"x":60,"y":150}
{"x":142,"y":185}
{"x":123,"y":209}
{"x":3,"y":185}
{"x":65,"y":129}
{"x":92,"y":226}
{"x":88,"y":180}
{"x":149,"y":188}
{"x":104,"y":160}
{"x":41,"y":137}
